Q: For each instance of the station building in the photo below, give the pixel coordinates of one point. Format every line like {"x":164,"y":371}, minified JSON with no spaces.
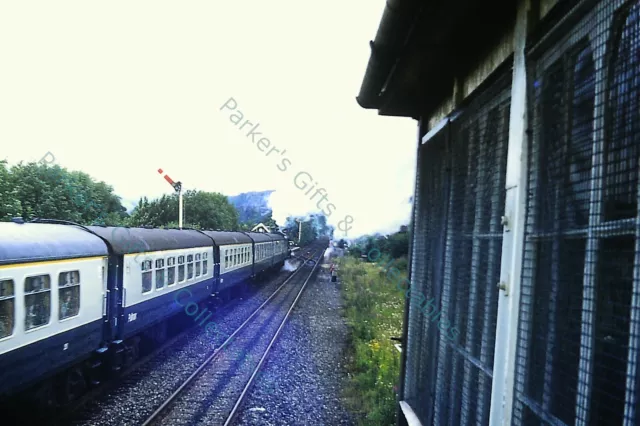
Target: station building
{"x":525,"y":228}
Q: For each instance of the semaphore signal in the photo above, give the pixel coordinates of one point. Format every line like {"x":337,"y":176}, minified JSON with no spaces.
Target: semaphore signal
{"x":177,"y":186}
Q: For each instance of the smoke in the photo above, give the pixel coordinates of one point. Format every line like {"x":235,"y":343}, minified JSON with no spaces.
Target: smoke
{"x":371,"y":211}
{"x":290,"y":203}
{"x":289,"y":266}
{"x":327,"y":253}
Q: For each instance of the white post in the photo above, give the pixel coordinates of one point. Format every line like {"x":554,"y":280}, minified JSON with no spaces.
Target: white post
{"x":505,"y":362}
{"x":180,"y":208}
{"x":299,"y":231}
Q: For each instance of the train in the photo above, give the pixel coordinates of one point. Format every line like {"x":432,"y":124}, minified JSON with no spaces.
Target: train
{"x":77,"y":302}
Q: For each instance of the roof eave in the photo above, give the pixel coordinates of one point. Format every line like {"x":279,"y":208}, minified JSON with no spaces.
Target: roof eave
{"x":397,"y":23}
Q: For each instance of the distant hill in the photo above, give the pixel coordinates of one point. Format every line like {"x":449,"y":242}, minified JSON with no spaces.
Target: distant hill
{"x":252,"y":206}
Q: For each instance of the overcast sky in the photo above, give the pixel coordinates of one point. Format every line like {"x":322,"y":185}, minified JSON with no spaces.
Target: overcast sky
{"x":119,"y":89}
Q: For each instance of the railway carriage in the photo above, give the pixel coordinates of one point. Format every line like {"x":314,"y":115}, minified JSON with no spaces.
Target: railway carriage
{"x":263,"y":252}
{"x":147,"y":268}
{"x":76,"y":301}
{"x":280,"y":250}
{"x":53,"y":287}
{"x":234,"y":258}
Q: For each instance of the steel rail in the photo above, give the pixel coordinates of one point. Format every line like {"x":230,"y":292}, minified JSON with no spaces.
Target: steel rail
{"x":160,"y":410}
{"x":234,"y":411}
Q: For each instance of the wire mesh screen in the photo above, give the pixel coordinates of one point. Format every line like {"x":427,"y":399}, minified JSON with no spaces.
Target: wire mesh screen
{"x":426,"y":270}
{"x":579,"y":315}
{"x":456,"y":254}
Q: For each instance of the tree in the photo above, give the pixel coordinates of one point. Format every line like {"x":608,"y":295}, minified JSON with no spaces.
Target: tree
{"x":266,"y":220}
{"x":52,"y":192}
{"x":395,"y":245}
{"x":9,"y":203}
{"x":205,"y":210}
{"x":269,"y":222}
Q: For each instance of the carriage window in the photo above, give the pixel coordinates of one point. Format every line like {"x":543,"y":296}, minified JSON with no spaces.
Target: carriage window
{"x":180,"y":268}
{"x":190,"y":266}
{"x":146,"y":276}
{"x":37,"y":301}
{"x":226,"y":258}
{"x":204,"y":263}
{"x":159,"y":273}
{"x":68,"y":294}
{"x":198,"y":264}
{"x":171,"y":271}
{"x":235,"y":257}
{"x":7,"y":306}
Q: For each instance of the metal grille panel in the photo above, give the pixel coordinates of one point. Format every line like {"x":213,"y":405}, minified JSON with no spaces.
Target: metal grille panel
{"x":456,"y":263}
{"x":425,"y":272}
{"x":578,"y":336}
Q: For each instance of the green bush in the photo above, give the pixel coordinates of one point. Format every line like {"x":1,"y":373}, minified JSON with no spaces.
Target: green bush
{"x":374,"y":310}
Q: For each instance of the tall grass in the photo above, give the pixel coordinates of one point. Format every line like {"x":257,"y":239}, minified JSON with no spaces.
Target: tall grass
{"x":374,"y":310}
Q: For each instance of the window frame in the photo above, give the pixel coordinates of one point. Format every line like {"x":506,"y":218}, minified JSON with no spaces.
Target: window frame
{"x":25,"y":295}
{"x":190,"y":275}
{"x":164,"y":274}
{"x":181,"y":264}
{"x":13,"y":310}
{"x":172,"y":265}
{"x":60,"y":287}
{"x":610,"y":18}
{"x":205,"y":263}
{"x":143,"y":271}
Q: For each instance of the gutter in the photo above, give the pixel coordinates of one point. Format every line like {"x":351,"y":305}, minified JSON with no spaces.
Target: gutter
{"x":397,"y":25}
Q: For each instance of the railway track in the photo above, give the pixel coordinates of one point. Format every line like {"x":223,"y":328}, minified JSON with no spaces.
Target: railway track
{"x":215,"y":391}
{"x":73,"y":412}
